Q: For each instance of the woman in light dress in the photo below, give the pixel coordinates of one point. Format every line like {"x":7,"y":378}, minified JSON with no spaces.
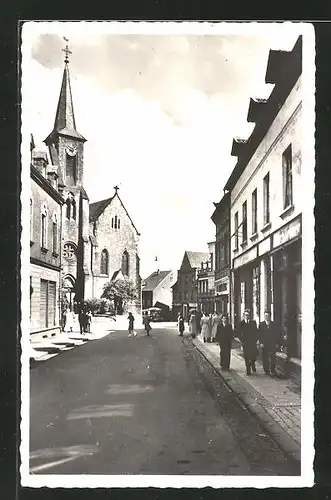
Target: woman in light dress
{"x":69,"y":320}
{"x":193,"y":324}
{"x":215,"y":320}
{"x":206,"y":327}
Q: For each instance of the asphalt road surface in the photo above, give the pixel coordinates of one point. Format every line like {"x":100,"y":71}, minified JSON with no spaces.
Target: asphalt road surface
{"x":142,"y":405}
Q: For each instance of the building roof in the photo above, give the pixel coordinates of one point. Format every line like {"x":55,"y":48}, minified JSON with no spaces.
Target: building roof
{"x":195,"y":258}
{"x":283,"y":69}
{"x":154,"y":280}
{"x":65,"y":123}
{"x":97,"y":208}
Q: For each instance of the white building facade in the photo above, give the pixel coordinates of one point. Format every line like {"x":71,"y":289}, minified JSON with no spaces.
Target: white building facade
{"x":266,"y":204}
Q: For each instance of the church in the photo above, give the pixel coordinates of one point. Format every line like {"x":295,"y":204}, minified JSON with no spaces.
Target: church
{"x":83,"y":244}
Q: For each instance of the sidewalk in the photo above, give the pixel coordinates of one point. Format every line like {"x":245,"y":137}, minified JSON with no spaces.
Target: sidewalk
{"x":275,"y":401}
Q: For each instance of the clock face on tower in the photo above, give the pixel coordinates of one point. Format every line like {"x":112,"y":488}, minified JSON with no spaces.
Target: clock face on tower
{"x":71,"y":150}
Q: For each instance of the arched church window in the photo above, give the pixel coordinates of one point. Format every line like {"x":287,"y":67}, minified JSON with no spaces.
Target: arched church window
{"x":71,"y":165}
{"x":115,"y":221}
{"x":69,"y":250}
{"x":104,"y":262}
{"x":125,"y":263}
{"x":73,"y":205}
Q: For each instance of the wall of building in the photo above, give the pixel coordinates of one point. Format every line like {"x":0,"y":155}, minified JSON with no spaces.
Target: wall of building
{"x":285,"y":130}
{"x":115,"y":241}
{"x":163,"y":292}
{"x":39,"y":197}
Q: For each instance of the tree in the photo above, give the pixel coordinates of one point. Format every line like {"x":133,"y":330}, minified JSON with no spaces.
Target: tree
{"x":120,"y":292}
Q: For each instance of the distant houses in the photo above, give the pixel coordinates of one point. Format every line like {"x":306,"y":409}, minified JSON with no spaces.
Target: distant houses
{"x":157,"y":290}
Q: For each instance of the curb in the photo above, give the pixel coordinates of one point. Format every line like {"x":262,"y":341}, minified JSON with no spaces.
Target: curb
{"x":285,"y":442}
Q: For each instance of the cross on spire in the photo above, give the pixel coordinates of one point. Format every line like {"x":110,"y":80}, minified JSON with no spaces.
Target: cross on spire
{"x":116,"y":189}
{"x":66,"y":50}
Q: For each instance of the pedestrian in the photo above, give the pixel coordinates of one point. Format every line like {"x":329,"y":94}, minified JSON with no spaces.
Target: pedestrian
{"x":224,"y":336}
{"x":205,"y":327}
{"x":198,"y":316}
{"x":82,"y":319}
{"x":131,"y":325}
{"x":146,"y":323}
{"x":70,"y":319}
{"x":248,"y":337}
{"x":215,"y":321}
{"x":63,"y":320}
{"x":181,"y":325}
{"x":269,"y":339}
{"x":193,"y":324}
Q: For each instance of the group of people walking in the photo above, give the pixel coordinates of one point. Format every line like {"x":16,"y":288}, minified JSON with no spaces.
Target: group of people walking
{"x":216,"y":328}
{"x":84,"y":319}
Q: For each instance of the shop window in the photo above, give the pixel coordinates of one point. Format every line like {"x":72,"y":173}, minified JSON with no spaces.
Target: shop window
{"x":266,"y":200}
{"x":254,"y":211}
{"x":244,"y":222}
{"x":287,"y":177}
{"x":104,"y":262}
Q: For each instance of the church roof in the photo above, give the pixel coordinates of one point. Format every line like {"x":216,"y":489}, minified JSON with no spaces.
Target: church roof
{"x":97,"y":208}
{"x":154,"y":280}
{"x":65,"y":123}
{"x":195,"y":258}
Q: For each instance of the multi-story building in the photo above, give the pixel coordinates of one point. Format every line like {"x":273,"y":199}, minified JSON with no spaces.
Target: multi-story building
{"x":266,"y":203}
{"x":186,"y":287}
{"x":157,"y":289}
{"x":221,"y":219}
{"x":45,"y":252}
{"x":206,"y":283}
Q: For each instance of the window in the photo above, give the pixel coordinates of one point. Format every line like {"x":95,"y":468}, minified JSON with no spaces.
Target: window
{"x":211,"y":261}
{"x":287,"y":177}
{"x":186,"y":295}
{"x":244,"y":222}
{"x":31,"y":219}
{"x":226,"y":248}
{"x":73,"y":204}
{"x":137,"y":265}
{"x":115,"y":222}
{"x":55,"y":235}
{"x":43,"y":226}
{"x":71,"y":207}
{"x":254,"y":211}
{"x":69,"y":250}
{"x":236,"y":231}
{"x":125,"y":263}
{"x":104,"y":262}
{"x":266,"y":200}
{"x":70,"y":170}
{"x":47,"y":303}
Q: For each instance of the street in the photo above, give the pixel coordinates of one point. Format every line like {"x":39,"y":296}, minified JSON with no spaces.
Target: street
{"x":143,"y":405}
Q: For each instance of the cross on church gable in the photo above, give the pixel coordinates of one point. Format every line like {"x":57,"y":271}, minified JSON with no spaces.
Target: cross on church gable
{"x":66,"y":51}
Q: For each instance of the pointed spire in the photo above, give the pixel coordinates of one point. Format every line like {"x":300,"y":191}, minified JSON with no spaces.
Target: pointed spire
{"x":65,"y":118}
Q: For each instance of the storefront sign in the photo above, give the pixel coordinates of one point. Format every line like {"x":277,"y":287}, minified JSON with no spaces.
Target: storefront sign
{"x":287,"y":233}
{"x":264,"y":246}
{"x":223,"y":287}
{"x":246,"y":257}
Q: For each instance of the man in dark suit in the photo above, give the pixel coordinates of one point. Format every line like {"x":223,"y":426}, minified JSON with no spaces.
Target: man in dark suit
{"x":248,"y":337}
{"x":269,"y":338}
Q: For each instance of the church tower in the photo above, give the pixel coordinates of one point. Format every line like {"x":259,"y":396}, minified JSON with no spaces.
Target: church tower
{"x":66,"y":149}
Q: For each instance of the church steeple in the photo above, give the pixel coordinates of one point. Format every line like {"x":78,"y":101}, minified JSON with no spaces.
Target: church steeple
{"x":65,"y":143}
{"x":65,"y":123}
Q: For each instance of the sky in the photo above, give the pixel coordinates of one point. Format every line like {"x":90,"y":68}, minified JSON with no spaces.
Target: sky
{"x":159,"y":112}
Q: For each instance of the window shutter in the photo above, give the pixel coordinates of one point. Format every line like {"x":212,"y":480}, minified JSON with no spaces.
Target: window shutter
{"x":43,"y":303}
{"x":51,"y":303}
